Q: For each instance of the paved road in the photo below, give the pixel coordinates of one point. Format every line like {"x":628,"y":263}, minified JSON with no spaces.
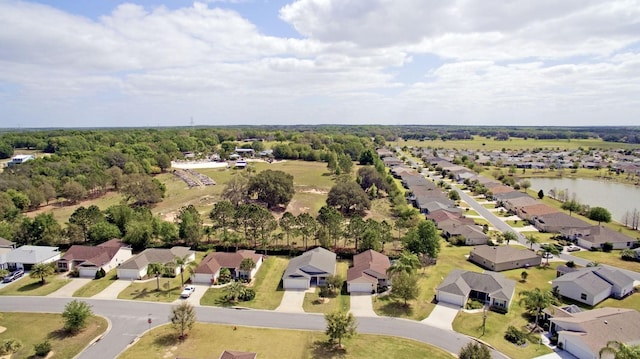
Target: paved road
{"x":129,"y":320}
{"x":502,"y":226}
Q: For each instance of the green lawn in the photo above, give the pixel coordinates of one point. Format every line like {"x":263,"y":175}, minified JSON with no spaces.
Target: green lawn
{"x":33,"y":328}
{"x":518,"y":223}
{"x":210,"y":340}
{"x":612,"y":258}
{"x":267,"y":286}
{"x":514,"y":143}
{"x":170,"y":289}
{"x":489,"y":205}
{"x":33,"y":287}
{"x":497,"y":324}
{"x":450,"y":257}
{"x":97,"y":285}
{"x":312,"y":303}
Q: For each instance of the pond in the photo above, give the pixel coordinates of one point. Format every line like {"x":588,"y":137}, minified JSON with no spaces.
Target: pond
{"x":618,"y":198}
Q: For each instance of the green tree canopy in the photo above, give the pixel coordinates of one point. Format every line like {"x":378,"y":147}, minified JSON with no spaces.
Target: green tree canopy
{"x":474,"y":350}
{"x":349,"y":198}
{"x":599,"y":214}
{"x":340,"y":325}
{"x":274,"y":188}
{"x":423,"y":240}
{"x":76,"y":313}
{"x":183,"y":317}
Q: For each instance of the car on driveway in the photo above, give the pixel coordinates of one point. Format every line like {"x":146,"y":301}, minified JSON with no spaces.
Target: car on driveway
{"x":573,"y":248}
{"x":13,"y":276}
{"x":547,"y":255}
{"x":188,"y":290}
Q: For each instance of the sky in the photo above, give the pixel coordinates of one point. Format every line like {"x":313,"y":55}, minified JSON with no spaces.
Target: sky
{"x":102,"y":63}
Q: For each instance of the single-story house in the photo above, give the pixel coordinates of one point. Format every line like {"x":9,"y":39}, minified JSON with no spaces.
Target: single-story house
{"x":136,"y":267}
{"x":392,"y":161}
{"x":500,"y":258}
{"x":444,"y":216}
{"x":538,"y":209}
{"x":597,"y":236}
{"x":592,"y":285}
{"x":26,"y":256}
{"x":208,"y":270}
{"x":490,"y":288}
{"x":89,"y":259}
{"x":232,"y":354}
{"x":584,"y":334}
{"x":309,"y":269}
{"x":556,"y":222}
{"x":512,"y":204}
{"x":369,"y":270}
{"x":6,"y":246}
{"x":472,"y":234}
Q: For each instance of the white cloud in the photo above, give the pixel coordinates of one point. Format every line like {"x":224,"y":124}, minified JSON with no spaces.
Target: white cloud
{"x":542,"y":62}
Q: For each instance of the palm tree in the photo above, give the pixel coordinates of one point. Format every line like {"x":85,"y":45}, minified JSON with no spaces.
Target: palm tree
{"x":234,"y":291}
{"x":548,"y":250}
{"x":509,"y":236}
{"x":42,"y":271}
{"x":621,"y":350}
{"x":156,"y":269}
{"x":531,"y":240}
{"x":181,"y":262}
{"x":535,"y":301}
{"x":406,"y":263}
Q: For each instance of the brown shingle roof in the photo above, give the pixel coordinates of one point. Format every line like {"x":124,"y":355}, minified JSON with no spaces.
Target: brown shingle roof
{"x":216,"y":260}
{"x":537,"y":209}
{"x":370,"y":265}
{"x":500,"y":254}
{"x":97,"y":255}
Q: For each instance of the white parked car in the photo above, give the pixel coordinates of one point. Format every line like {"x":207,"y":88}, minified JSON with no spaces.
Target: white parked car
{"x":573,"y":248}
{"x":188,"y":290}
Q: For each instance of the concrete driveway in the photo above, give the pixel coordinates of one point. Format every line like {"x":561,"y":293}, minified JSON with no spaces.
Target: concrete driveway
{"x":361,"y":305}
{"x":292,"y":301}
{"x":112,"y":291}
{"x":68,"y":290}
{"x":442,"y":316}
{"x":195,"y":297}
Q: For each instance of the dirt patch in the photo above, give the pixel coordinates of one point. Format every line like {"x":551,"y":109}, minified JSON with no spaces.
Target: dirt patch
{"x":170,"y":217}
{"x":296,"y":207}
{"x":2,"y":329}
{"x":314,"y":191}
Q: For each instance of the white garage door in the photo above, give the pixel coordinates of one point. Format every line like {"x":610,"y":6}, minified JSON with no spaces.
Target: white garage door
{"x":451,"y":298}
{"x":359,"y":287}
{"x":577,"y":350}
{"x":295,"y":283}
{"x":129,"y":274}
{"x":87,"y":272}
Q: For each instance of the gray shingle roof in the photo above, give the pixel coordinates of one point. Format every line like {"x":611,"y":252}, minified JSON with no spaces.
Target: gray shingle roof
{"x":30,"y":254}
{"x":155,"y":255}
{"x":318,"y":258}
{"x":461,"y":282}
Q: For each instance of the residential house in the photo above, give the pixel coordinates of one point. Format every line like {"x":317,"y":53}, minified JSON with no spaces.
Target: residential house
{"x":502,"y":198}
{"x":232,"y":354}
{"x":309,"y":269}
{"x":26,"y":256}
{"x":556,"y":222}
{"x":472,"y":234}
{"x":136,"y":267}
{"x":392,"y":161}
{"x":6,"y":246}
{"x":512,"y":204}
{"x":446,"y":217}
{"x":597,"y":236}
{"x":368,"y":272}
{"x":592,"y":285}
{"x":208,"y":270}
{"x":584,"y":334}
{"x":89,"y":259}
{"x":500,"y":258}
{"x":490,"y":288}
{"x":538,"y":209}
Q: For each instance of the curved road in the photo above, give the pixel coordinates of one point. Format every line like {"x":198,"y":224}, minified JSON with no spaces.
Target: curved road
{"x":503,"y":227}
{"x":129,"y":321}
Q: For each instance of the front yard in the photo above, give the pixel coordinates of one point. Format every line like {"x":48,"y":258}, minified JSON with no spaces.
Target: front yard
{"x":97,"y":285}
{"x":170,"y":289}
{"x":266,"y":284}
{"x":33,"y":287}
{"x":313,"y":304}
{"x":612,"y":258}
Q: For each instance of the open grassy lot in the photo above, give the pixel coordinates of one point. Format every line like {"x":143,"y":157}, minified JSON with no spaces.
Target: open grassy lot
{"x":62,"y":213}
{"x":450,"y":257}
{"x":312,"y":303}
{"x":272,"y":343}
{"x":497,"y":324}
{"x":170,"y":289}
{"x":514,"y":143}
{"x":266,"y":284}
{"x":612,"y":258}
{"x":33,"y":328}
{"x":33,"y":287}
{"x":97,"y":285}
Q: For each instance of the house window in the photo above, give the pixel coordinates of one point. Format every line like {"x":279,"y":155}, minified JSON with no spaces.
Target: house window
{"x":583,"y":296}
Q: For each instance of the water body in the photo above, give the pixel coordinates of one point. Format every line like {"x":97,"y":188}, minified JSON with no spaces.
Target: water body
{"x":616,"y":197}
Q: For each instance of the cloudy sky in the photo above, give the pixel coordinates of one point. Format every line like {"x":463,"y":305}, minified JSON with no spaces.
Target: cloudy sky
{"x":70,"y":63}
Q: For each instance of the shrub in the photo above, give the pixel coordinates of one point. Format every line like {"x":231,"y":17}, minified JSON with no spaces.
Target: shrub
{"x":42,"y":349}
{"x":571,"y":264}
{"x":514,"y":335}
{"x":607,"y":246}
{"x":474,"y":304}
{"x":247,"y":295}
{"x":100,"y":273}
{"x":75,"y":273}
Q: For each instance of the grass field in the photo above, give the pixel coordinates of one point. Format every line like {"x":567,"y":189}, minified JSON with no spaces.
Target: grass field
{"x":267,"y":286}
{"x":209,"y":341}
{"x":170,"y":289}
{"x":612,"y":258}
{"x":514,"y":143}
{"x":312,"y":303}
{"x":97,"y":285}
{"x":33,"y":287}
{"x":34,"y":328}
